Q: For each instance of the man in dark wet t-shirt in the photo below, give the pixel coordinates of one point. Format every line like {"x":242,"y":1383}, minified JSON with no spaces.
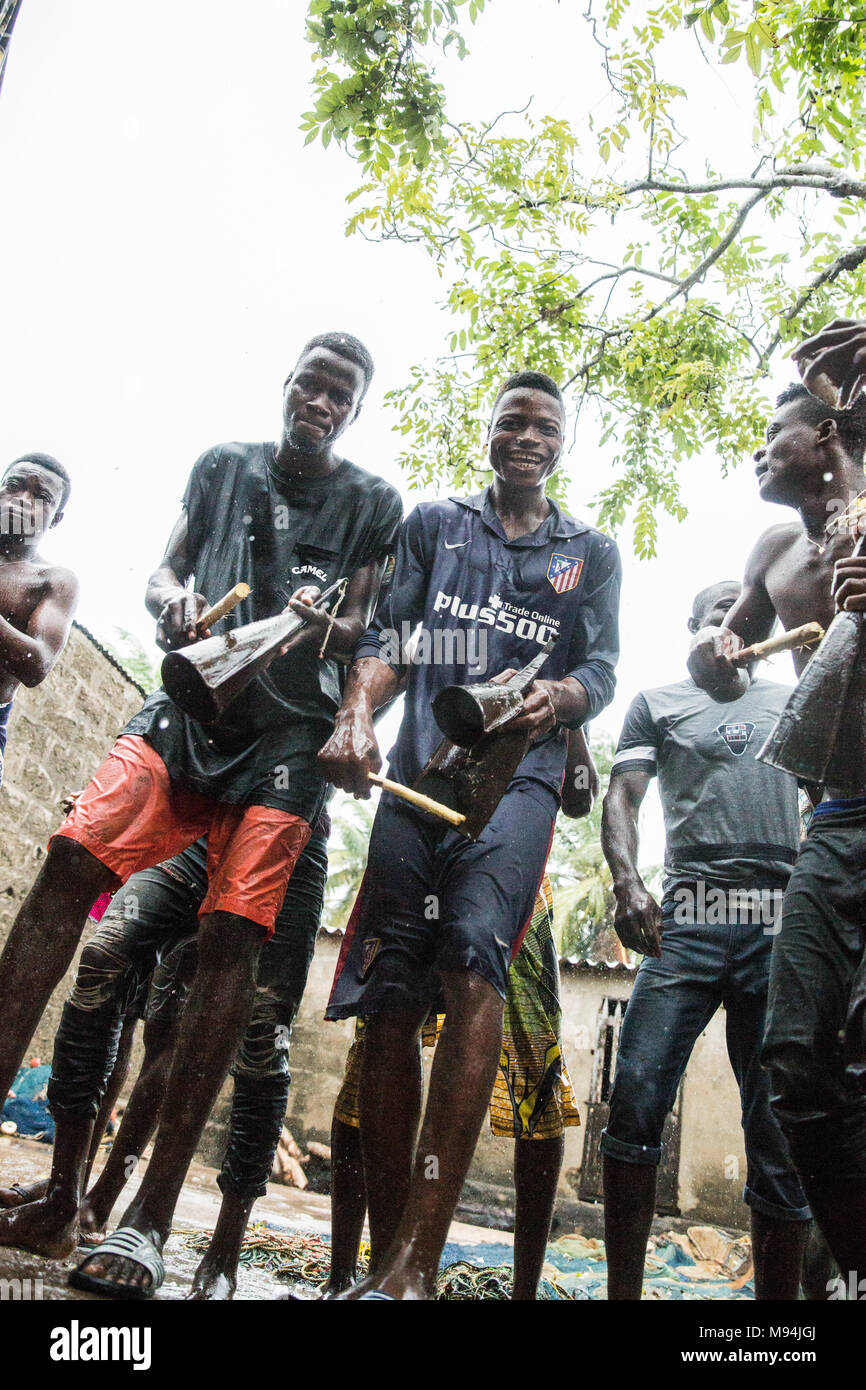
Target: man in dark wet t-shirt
{"x":285,"y":519}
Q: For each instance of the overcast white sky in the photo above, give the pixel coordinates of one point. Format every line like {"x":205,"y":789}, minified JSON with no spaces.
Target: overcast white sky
{"x":169,"y":243}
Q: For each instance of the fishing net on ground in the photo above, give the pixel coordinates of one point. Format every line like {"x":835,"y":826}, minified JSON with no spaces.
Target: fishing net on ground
{"x":306,"y":1259}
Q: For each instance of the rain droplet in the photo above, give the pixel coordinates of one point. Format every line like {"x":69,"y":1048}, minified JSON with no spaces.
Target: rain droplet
{"x":828,"y":477}
{"x":247,"y":519}
{"x":163,"y":723}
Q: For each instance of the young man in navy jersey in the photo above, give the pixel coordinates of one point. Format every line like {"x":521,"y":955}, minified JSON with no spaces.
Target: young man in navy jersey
{"x":439,"y":916}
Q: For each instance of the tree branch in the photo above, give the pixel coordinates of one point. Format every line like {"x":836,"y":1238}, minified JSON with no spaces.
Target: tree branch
{"x":710,"y":259}
{"x":837,"y":185}
{"x":849,"y":260}
{"x":683,"y":286}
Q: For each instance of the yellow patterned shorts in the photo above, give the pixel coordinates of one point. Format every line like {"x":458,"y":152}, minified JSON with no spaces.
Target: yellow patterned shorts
{"x":532,"y":1096}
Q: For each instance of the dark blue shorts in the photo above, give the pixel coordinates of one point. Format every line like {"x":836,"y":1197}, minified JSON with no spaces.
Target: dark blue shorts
{"x":702,"y":967}
{"x":431,"y":900}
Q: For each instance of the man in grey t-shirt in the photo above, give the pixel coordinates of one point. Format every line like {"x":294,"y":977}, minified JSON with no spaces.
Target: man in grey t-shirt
{"x":732,"y":832}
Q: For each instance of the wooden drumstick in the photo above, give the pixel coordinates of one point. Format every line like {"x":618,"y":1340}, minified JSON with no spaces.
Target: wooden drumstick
{"x":225,"y":605}
{"x":425,"y":803}
{"x":806,"y":636}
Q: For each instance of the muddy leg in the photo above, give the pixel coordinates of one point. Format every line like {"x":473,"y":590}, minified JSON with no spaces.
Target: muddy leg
{"x":778,"y":1248}
{"x":840,"y":1211}
{"x":820,"y":1270}
{"x":464,"y":1069}
{"x":135,"y":1133}
{"x":212,"y":1025}
{"x":216,"y":1278}
{"x":42,"y":942}
{"x":22,"y":1192}
{"x":537,"y":1163}
{"x":258,"y":1113}
{"x":115,"y":1085}
{"x":84,"y":1053}
{"x":348,"y":1204}
{"x":629,"y":1203}
{"x":50,"y":1226}
{"x":390,"y":1105}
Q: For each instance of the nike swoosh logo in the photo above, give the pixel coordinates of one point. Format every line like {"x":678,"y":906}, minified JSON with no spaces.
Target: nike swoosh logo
{"x":455,"y":545}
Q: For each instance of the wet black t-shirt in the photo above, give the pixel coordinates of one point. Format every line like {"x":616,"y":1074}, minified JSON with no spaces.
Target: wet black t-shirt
{"x":249,"y":522}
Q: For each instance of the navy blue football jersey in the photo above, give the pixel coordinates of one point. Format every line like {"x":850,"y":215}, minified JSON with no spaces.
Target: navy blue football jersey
{"x":485,"y":603}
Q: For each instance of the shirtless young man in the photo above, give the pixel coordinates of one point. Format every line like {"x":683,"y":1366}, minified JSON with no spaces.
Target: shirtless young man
{"x":802,"y":571}
{"x":37,"y":599}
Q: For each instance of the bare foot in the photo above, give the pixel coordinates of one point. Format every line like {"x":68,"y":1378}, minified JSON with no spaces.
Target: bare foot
{"x":92,"y":1223}
{"x":335,"y":1287}
{"x":395,"y":1283}
{"x":47,"y":1227}
{"x":212,"y":1283}
{"x":350,"y":1292}
{"x":22,"y":1192}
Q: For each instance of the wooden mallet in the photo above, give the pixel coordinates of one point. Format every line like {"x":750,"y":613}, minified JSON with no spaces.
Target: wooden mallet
{"x":806,"y":636}
{"x":225,"y":605}
{"x":425,"y":803}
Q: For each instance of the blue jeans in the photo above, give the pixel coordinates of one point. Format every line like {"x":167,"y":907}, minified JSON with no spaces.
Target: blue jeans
{"x":818,"y":1087}
{"x":702,"y":966}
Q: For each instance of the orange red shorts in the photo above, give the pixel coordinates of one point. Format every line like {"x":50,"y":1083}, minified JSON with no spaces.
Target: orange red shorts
{"x":130,"y":817}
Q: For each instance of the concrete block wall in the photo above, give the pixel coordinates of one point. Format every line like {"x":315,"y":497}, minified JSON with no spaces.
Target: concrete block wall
{"x":59,"y":733}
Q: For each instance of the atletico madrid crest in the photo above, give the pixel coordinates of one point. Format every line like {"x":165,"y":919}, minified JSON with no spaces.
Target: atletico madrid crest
{"x":564,"y":572}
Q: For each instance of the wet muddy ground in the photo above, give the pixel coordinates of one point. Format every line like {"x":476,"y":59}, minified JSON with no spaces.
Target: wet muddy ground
{"x":285,"y":1208}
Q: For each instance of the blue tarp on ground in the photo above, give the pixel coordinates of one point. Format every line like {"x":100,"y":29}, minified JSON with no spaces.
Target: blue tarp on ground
{"x":576,"y":1268}
{"x":31,"y":1083}
{"x":671,"y":1272}
{"x":31,"y":1118}
{"x":29,"y":1109}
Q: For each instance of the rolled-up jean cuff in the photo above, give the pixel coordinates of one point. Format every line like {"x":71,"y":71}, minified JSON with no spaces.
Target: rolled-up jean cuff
{"x":642,"y":1154}
{"x":62,"y":1114}
{"x":246,"y":1192}
{"x":774,"y":1209}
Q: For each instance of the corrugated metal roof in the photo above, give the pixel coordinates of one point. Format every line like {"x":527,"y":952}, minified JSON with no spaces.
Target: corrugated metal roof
{"x":596,"y":967}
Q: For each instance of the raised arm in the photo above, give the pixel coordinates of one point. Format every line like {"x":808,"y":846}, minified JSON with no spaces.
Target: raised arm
{"x":29,"y":656}
{"x":833,"y":362}
{"x":638,"y":919}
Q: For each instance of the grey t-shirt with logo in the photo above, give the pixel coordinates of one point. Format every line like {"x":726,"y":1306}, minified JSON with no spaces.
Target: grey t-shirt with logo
{"x":728,"y":818}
